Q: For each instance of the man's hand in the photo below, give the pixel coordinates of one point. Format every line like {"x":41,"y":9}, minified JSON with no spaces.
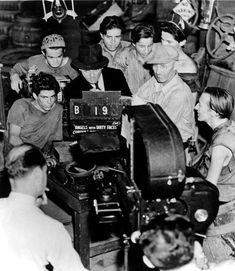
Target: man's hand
{"x":32,"y":70}
{"x":51,"y":162}
{"x":16,"y":82}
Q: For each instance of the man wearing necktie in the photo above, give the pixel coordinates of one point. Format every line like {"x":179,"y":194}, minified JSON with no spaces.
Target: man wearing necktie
{"x":168,"y":90}
{"x":94,"y":74}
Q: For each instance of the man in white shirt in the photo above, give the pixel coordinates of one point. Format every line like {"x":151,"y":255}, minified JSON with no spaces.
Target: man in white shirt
{"x":168,"y":90}
{"x":32,"y":240}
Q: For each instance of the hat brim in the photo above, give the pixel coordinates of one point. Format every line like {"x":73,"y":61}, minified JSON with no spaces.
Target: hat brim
{"x":92,"y":66}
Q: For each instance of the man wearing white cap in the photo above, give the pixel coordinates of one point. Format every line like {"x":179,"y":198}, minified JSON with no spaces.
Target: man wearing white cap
{"x":51,"y":60}
{"x":168,"y":90}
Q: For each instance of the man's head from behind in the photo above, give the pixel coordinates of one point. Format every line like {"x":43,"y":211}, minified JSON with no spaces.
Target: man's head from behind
{"x":111,"y":30}
{"x":168,"y":241}
{"x":44,"y":89}
{"x":26,"y":168}
{"x":163,"y":59}
{"x":53,"y":48}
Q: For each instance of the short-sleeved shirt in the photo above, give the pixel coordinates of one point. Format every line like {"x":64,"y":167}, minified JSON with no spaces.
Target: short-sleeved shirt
{"x":37,"y":127}
{"x":22,"y":68}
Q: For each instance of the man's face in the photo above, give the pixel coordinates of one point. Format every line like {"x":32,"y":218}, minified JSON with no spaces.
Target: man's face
{"x":144,"y":47}
{"x":203,"y":108}
{"x":112,"y":39}
{"x":92,"y":76}
{"x":164,"y":72}
{"x":45,"y":99}
{"x":54,"y":57}
{"x":168,"y":39}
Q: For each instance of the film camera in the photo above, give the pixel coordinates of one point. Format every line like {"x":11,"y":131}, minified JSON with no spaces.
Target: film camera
{"x":139,"y":160}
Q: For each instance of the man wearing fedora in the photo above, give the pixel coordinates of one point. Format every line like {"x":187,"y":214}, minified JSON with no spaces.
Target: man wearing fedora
{"x":168,"y":90}
{"x":94,"y":74}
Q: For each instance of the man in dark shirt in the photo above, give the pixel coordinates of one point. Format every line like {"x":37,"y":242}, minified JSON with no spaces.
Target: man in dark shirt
{"x":94,"y":74}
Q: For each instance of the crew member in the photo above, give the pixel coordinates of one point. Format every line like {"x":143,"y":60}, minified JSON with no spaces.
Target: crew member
{"x":168,"y":90}
{"x":31,"y":240}
{"x":218,"y":167}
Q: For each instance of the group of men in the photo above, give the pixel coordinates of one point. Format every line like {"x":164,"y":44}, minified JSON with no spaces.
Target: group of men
{"x":143,"y":70}
{"x":114,"y":64}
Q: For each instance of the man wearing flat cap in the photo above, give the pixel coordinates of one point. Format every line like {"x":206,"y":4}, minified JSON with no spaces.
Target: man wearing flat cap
{"x":168,"y":90}
{"x":94,"y":74}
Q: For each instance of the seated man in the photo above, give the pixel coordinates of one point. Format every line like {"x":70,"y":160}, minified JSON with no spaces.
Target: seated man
{"x":51,"y":61}
{"x":111,"y":30}
{"x":168,"y":243}
{"x":95,"y":75}
{"x":31,"y":240}
{"x":131,"y":60}
{"x":37,"y":120}
{"x":168,"y":90}
{"x":217,"y":165}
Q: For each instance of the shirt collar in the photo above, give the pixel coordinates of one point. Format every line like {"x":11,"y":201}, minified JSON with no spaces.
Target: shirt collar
{"x":165,"y":88}
{"x":100,"y":83}
{"x":22,"y":198}
{"x":222,"y":125}
{"x":120,"y":46}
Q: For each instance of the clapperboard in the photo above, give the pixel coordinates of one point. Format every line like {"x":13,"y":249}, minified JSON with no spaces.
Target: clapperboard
{"x":97,"y":111}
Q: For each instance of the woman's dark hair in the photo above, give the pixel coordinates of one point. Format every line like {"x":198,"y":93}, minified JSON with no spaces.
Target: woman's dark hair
{"x":174,"y":30}
{"x":177,"y":27}
{"x":111,"y":22}
{"x":44,"y":81}
{"x":168,"y":241}
{"x":22,"y":159}
{"x":142,"y":30}
{"x":221,"y":101}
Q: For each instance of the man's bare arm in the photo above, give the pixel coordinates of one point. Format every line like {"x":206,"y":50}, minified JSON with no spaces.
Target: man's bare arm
{"x":14,"y":135}
{"x":220,"y":158}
